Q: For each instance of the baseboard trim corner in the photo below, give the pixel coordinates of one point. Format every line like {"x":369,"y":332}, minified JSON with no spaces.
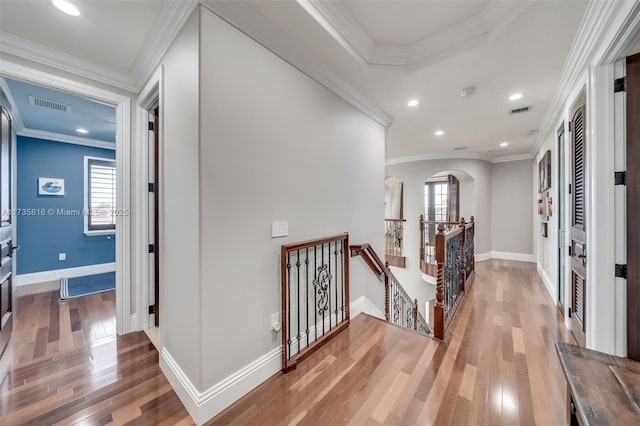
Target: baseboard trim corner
{"x":363,"y":304}
{"x":203,"y":406}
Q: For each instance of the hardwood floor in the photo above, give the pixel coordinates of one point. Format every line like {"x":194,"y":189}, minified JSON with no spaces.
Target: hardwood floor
{"x":65,"y":365}
{"x":498,"y":366}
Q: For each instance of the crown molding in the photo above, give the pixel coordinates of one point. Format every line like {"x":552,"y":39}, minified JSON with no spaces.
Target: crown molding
{"x":246,"y":18}
{"x":156,"y":45}
{"x":596,"y":21}
{"x":160,"y":39}
{"x":75,"y":140}
{"x":450,"y":156}
{"x":16,"y":119}
{"x":35,"y":52}
{"x":509,"y":158}
{"x":334,"y":18}
{"x":458,"y":156}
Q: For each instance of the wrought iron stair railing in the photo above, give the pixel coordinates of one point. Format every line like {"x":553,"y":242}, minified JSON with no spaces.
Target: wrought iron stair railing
{"x":315,"y":295}
{"x":399,"y":308}
{"x":455,"y":269}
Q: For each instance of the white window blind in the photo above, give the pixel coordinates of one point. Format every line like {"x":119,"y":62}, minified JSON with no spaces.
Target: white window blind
{"x":102,"y":195}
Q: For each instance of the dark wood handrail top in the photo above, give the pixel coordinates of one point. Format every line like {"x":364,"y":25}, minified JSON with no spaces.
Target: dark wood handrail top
{"x":318,"y":241}
{"x":395,"y":220}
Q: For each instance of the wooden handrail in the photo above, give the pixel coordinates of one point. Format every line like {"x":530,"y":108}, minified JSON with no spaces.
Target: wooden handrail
{"x":391,"y":283}
{"x":395,"y":220}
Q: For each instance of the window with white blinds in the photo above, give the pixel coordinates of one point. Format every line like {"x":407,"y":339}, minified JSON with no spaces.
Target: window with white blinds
{"x":100,"y":202}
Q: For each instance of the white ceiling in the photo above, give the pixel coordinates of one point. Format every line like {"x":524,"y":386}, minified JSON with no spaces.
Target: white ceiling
{"x":401,"y":23}
{"x":376,"y":54}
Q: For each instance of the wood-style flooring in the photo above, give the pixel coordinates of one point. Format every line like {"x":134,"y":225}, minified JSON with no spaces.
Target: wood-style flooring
{"x":498,"y":366}
{"x":65,"y":365}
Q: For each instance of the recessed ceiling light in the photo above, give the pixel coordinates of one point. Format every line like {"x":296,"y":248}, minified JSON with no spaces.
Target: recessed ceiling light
{"x":413,"y":102}
{"x":81,"y":130}
{"x":515,"y":96}
{"x":439,"y":132}
{"x":66,"y":7}
{"x":504,"y":144}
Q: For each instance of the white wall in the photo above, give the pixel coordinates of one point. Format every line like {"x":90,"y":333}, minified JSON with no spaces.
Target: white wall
{"x":415,"y":174}
{"x":511,"y":207}
{"x":275,"y":145}
{"x":180,"y":214}
{"x":249,"y":139}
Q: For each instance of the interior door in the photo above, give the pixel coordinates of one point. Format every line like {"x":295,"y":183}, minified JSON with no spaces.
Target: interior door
{"x":633,"y":206}
{"x":579,"y":283}
{"x":562,"y":250}
{"x":6,"y":232}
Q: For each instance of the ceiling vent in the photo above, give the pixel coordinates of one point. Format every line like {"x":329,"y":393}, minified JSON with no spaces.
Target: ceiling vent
{"x":520,"y":110}
{"x":460,"y":148}
{"x":45,"y":103}
{"x":530,"y":132}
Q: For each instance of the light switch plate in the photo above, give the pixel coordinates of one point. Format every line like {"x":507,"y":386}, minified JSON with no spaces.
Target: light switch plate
{"x":279,"y":229}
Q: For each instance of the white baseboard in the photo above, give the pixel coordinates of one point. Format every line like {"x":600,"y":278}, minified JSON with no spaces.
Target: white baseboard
{"x":519,"y":257}
{"x":505,"y":255}
{"x":203,"y":406}
{"x":134,"y":322}
{"x":363,"y":304}
{"x":547,"y":282}
{"x":481,"y":257}
{"x":429,"y":279}
{"x":57,"y":274}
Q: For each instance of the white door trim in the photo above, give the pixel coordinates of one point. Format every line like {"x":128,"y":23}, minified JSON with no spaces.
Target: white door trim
{"x":123,"y":171}
{"x":150,"y":96}
{"x":599,"y":199}
{"x":620,"y":194}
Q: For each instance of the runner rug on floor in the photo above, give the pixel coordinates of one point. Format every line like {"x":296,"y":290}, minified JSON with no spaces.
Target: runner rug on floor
{"x":90,"y":284}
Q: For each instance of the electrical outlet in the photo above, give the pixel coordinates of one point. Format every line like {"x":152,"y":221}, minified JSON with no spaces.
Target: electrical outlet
{"x":275,"y":322}
{"x":62,"y":256}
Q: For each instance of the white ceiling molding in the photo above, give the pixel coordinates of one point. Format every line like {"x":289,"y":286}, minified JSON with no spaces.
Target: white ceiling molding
{"x":250,"y":21}
{"x":451,"y":156}
{"x":35,"y":52}
{"x":75,"y":140}
{"x":464,"y":36}
{"x":155,"y":47}
{"x":160,"y":38}
{"x":459,"y":156}
{"x":509,"y":158}
{"x":16,"y":120}
{"x":596,"y":22}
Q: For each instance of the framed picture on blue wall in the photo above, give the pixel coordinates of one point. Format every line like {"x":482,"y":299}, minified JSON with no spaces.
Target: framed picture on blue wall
{"x":50,"y":186}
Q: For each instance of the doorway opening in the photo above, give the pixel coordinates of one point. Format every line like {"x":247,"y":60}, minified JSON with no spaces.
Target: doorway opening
{"x":119,"y":212}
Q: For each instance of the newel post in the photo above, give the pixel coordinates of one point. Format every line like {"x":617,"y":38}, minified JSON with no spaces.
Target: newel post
{"x":438,"y":309}
{"x":463,"y":276}
{"x":473,"y":244}
{"x":421,"y":237}
{"x":415,"y":314}
{"x":386,"y":292}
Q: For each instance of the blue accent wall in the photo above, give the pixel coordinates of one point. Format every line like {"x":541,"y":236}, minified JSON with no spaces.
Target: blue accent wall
{"x":42,"y":238}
